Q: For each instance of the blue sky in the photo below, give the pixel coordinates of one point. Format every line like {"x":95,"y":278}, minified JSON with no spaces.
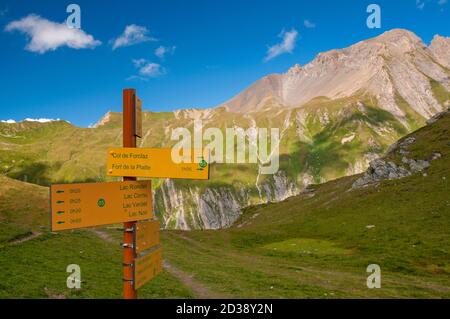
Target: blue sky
{"x":213,"y":49}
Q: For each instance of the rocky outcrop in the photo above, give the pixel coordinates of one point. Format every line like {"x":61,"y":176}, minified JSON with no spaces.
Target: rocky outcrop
{"x":416,"y":165}
{"x":435,"y":117}
{"x":380,"y":170}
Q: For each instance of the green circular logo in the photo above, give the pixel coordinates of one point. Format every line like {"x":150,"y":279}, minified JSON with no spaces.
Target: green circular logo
{"x":101,"y":202}
{"x":203,"y":163}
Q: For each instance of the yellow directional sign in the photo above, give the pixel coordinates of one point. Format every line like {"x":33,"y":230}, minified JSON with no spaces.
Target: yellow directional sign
{"x":146,"y":235}
{"x":154,"y":162}
{"x":91,"y":204}
{"x":147,"y":267}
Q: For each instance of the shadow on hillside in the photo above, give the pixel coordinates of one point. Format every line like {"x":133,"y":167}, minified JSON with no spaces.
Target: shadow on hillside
{"x":41,"y":174}
{"x":35,"y":173}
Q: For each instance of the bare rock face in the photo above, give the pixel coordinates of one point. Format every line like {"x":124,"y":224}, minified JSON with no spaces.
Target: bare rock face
{"x":103,"y":121}
{"x":416,"y":165}
{"x":214,"y":208}
{"x":256,"y":96}
{"x":380,"y":170}
{"x":396,"y":63}
{"x":435,"y":117}
{"x":440,"y":47}
{"x":296,"y":69}
{"x":280,"y":189}
{"x":407,"y":142}
{"x":186,"y":208}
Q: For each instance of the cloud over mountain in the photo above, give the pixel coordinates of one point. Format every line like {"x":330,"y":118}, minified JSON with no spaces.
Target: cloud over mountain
{"x":285,"y":46}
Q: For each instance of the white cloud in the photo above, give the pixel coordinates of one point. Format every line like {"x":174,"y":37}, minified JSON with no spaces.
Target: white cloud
{"x":286,"y":46}
{"x":136,"y":78}
{"x":151,"y":69}
{"x":420,"y":4}
{"x":147,"y":69}
{"x":309,"y":24}
{"x":46,"y":35}
{"x":139,"y":62}
{"x":161,"y":51}
{"x":38,"y":120}
{"x":133,"y":34}
{"x":41,"y":120}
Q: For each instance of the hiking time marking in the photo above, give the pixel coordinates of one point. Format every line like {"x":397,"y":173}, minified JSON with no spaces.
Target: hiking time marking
{"x":146,"y":267}
{"x":92,"y":204}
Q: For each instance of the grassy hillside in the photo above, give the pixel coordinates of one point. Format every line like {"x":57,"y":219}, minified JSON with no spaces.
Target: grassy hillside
{"x":24,"y":208}
{"x":319,"y":244}
{"x":315,"y":245}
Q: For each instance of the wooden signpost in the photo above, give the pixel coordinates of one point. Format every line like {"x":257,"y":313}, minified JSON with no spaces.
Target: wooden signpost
{"x":138,"y":118}
{"x":129,"y":202}
{"x":129,"y":140}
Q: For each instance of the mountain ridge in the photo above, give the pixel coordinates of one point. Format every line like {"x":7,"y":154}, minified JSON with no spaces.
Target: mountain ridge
{"x":268,"y":89}
{"x":343,"y":72}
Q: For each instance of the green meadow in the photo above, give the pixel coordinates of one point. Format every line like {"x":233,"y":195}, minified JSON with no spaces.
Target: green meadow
{"x":315,"y":245}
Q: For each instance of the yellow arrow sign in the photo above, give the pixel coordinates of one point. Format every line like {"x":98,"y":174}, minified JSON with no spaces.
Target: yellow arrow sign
{"x":147,"y":267}
{"x":154,"y":162}
{"x":92,"y":204}
{"x":146,"y":235}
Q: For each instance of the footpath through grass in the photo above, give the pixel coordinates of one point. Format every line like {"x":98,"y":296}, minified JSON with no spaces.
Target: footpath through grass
{"x":37,"y":269}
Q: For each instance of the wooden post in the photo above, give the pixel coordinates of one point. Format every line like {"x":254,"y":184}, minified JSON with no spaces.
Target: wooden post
{"x":129,"y":140}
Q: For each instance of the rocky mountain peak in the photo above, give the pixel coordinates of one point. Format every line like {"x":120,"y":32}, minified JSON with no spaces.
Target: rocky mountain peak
{"x":104,"y":120}
{"x":440,"y":47}
{"x":396,"y":64}
{"x":396,"y":35}
{"x":437,"y":39}
{"x":398,"y":41}
{"x":297,"y":68}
